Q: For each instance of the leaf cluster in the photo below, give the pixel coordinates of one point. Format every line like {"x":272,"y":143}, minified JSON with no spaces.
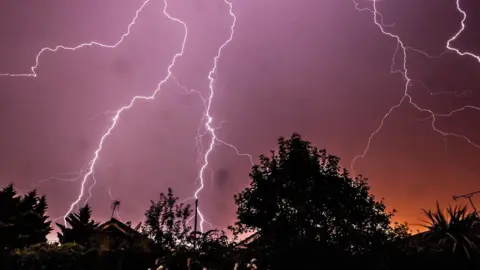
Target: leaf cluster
{"x":454,"y":230}
{"x":166,"y":221}
{"x":81,"y":227}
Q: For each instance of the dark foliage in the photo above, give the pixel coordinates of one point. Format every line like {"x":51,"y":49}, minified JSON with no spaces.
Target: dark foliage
{"x":300,"y":201}
{"x":23,"y":219}
{"x":454,"y":230}
{"x":215,"y":249}
{"x":166,"y":221}
{"x":305,"y":212}
{"x":71,"y":256}
{"x":81,"y":227}
{"x":51,"y":256}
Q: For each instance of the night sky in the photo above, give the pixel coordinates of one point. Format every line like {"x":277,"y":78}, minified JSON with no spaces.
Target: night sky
{"x":317,"y":67}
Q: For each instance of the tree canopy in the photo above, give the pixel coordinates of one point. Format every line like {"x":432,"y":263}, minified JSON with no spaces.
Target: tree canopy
{"x":23,"y":219}
{"x":81,"y":227}
{"x":166,"y":221}
{"x":299,"y":196}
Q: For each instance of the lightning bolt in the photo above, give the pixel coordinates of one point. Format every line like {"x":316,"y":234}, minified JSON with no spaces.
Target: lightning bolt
{"x":402,"y":48}
{"x":209,"y":119}
{"x":119,"y":112}
{"x":90,"y":166}
{"x":89,"y":172}
{"x":91,"y":187}
{"x":83,"y":45}
{"x":214,"y":139}
{"x":65,"y":177}
{"x":463,"y":93}
{"x":454,"y":37}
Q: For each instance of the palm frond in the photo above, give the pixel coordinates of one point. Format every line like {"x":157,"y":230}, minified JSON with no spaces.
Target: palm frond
{"x":452,"y":228}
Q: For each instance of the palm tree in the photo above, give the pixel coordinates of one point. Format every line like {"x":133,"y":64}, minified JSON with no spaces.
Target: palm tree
{"x":453,"y":229}
{"x":81,"y":227}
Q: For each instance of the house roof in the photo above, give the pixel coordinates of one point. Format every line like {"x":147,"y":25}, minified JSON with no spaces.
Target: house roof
{"x":249,"y":239}
{"x":118,"y":225}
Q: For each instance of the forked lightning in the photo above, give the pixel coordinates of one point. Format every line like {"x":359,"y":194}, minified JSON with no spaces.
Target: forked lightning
{"x":89,"y":172}
{"x":403,"y":49}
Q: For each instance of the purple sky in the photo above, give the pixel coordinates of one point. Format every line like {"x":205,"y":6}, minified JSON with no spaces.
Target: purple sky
{"x":317,"y":67}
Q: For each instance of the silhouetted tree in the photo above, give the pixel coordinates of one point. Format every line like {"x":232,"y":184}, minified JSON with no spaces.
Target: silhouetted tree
{"x":453,"y":230}
{"x":8,"y":217}
{"x":400,"y":232}
{"x":399,"y":240}
{"x":166,"y":221}
{"x":217,"y":252}
{"x":23,"y":219}
{"x":299,"y":199}
{"x":81,"y":227}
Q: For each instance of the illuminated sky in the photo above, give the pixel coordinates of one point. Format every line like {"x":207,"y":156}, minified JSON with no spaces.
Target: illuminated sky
{"x":317,"y":67}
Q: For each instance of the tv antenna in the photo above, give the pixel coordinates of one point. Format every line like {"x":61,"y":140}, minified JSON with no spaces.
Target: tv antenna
{"x":469,"y":197}
{"x":115,"y":206}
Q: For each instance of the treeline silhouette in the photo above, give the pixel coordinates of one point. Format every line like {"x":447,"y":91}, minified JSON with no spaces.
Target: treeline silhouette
{"x":301,"y":210}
